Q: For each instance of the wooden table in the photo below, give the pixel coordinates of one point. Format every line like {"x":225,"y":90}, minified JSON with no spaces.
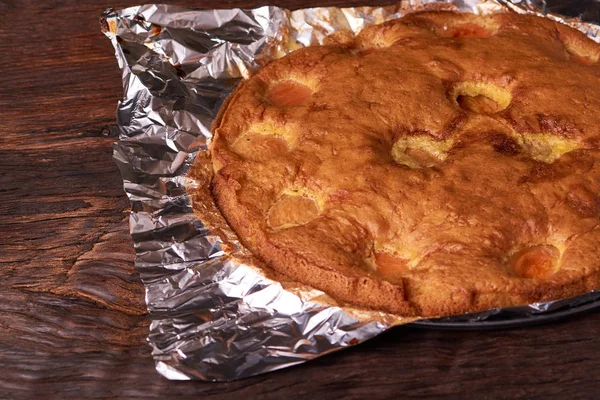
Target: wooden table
{"x":72,"y":313}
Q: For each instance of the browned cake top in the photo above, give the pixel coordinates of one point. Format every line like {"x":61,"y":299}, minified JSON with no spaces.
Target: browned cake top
{"x":435,"y":164}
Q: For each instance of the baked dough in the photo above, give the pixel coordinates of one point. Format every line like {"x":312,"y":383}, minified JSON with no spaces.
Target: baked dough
{"x":435,"y":164}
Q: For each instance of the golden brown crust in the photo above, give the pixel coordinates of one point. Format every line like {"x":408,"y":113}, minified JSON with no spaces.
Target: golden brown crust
{"x":437,"y":164}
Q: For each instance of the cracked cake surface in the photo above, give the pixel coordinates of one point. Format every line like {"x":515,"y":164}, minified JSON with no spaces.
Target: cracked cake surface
{"x":432,"y":165}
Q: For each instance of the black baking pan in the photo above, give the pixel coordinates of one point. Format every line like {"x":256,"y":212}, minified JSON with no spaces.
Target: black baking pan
{"x":516,"y":317}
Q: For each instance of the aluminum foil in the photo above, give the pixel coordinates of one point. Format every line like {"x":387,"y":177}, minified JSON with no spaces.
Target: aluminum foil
{"x":216,"y":314}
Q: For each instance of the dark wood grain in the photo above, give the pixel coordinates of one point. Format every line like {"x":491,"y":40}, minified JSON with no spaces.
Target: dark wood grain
{"x":72,"y":314}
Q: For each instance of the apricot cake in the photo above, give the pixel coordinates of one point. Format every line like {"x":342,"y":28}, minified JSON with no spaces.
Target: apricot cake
{"x":432,"y":165}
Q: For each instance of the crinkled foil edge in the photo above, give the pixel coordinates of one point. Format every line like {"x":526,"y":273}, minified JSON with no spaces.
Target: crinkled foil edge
{"x":216,"y":314}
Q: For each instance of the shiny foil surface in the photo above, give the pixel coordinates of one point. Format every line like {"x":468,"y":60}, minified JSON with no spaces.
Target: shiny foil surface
{"x":215,"y":314}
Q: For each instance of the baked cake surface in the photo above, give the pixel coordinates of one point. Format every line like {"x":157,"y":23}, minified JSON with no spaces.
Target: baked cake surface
{"x":436,"y":164}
